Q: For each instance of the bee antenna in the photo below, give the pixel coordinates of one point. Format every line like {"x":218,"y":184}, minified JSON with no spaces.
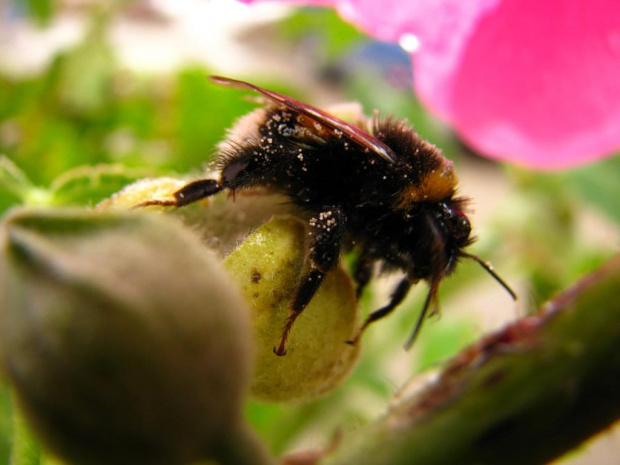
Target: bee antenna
{"x":432,"y":294}
{"x":489,"y":268}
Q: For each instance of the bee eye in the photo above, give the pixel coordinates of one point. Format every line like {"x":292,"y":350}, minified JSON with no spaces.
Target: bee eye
{"x":461,"y":227}
{"x":456,"y":223}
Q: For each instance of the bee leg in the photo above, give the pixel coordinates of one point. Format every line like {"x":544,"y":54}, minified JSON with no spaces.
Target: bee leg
{"x":430,"y":299}
{"x":396,"y":298}
{"x":326,"y":233}
{"x":363,"y":273}
{"x":307,"y":287}
{"x":189,"y":193}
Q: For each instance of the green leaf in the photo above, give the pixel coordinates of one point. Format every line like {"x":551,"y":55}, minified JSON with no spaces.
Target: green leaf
{"x":14,"y":184}
{"x":203,"y":112}
{"x":18,"y":189}
{"x":334,"y":35}
{"x":6,"y":423}
{"x":86,"y":71}
{"x":25,"y":448}
{"x":599,"y":185}
{"x":41,"y":10}
{"x":92,"y":184}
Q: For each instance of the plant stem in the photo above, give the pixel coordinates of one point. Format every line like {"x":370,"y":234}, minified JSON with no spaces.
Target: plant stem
{"x":525,"y":394}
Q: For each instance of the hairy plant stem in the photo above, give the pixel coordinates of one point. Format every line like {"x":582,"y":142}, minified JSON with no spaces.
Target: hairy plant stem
{"x":525,"y":394}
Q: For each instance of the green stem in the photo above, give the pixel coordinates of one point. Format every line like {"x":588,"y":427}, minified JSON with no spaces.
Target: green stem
{"x":525,"y":394}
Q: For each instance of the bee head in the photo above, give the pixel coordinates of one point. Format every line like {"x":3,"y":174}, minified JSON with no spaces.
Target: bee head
{"x":457,"y":225}
{"x":452,"y":227}
{"x":433,"y":238}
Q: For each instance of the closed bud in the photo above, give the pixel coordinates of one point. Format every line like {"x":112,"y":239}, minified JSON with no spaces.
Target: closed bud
{"x":267,"y":264}
{"x":123,"y":337}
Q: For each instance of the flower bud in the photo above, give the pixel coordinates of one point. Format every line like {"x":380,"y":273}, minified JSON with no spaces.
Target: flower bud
{"x":221,"y":222}
{"x":133,"y":194}
{"x":125,"y":340}
{"x":267,"y":266}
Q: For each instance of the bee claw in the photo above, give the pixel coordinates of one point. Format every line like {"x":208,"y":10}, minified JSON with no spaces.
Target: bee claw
{"x":280,"y":351}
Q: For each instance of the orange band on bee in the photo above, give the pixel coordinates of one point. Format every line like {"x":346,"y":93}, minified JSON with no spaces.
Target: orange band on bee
{"x":436,"y":185}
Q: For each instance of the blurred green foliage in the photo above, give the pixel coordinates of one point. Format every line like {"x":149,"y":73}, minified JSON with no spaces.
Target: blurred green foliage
{"x":598,"y":184}
{"x":41,"y":11}
{"x":84,"y":110}
{"x":323,"y":30}
{"x":85,"y":127}
{"x":6,"y":415}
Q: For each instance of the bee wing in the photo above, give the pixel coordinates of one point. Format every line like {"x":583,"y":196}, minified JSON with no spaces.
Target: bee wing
{"x":353,"y":133}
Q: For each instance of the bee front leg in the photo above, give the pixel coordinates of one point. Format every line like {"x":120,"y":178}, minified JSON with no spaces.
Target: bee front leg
{"x":190,"y":193}
{"x":398,"y":295}
{"x":326,"y":231}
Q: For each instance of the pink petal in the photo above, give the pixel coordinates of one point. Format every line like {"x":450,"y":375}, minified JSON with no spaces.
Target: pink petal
{"x":533,"y":82}
{"x":539,"y":83}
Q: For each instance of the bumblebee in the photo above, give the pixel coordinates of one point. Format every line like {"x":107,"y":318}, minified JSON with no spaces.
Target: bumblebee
{"x":374,"y":186}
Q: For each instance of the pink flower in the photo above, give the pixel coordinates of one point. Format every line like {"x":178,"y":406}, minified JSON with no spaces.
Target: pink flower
{"x":533,"y":82}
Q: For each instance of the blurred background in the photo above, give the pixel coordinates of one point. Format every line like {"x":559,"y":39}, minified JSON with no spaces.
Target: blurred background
{"x":94,"y":95}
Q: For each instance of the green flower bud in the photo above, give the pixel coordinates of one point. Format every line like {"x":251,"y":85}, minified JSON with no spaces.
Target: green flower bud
{"x":142,"y":191}
{"x":267,"y":266}
{"x":123,"y":337}
{"x":222,"y":222}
